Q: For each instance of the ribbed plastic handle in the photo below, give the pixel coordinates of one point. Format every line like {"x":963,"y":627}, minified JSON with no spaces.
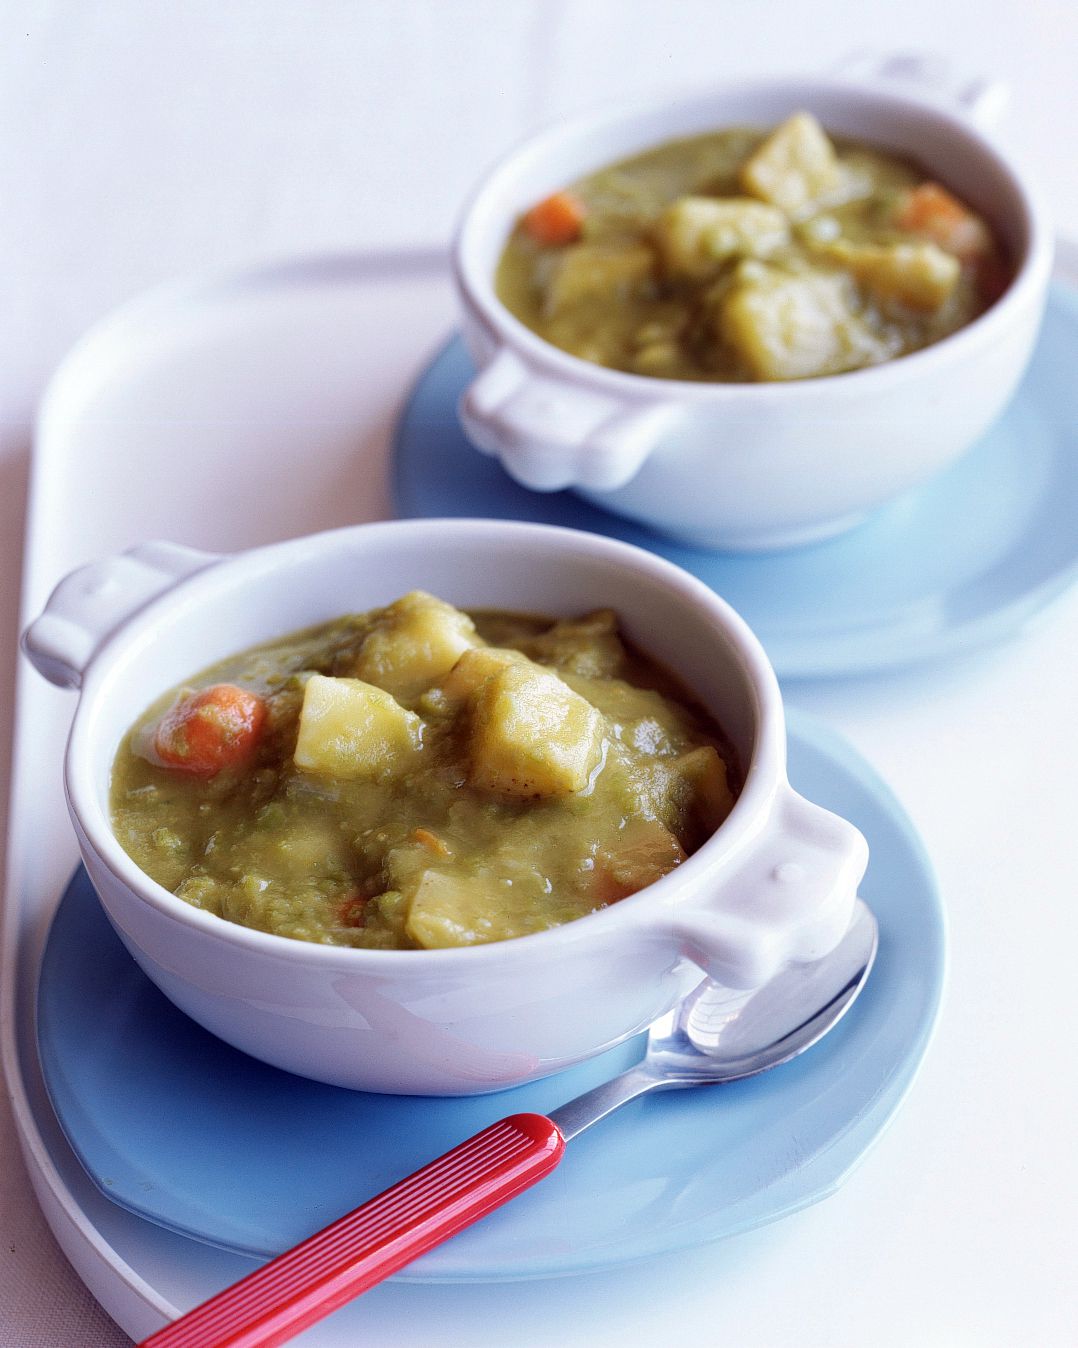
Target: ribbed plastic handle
{"x":354,"y":1253}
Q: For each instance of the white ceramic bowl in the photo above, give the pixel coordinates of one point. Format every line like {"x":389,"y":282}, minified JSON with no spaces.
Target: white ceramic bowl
{"x":748,"y":466}
{"x":775,"y":883}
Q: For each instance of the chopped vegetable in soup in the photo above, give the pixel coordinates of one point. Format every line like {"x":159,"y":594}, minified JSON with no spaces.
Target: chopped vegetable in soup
{"x":747,"y":255}
{"x":420,"y":777}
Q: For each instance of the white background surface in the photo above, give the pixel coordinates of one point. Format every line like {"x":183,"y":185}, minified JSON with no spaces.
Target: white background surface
{"x":140,"y":142}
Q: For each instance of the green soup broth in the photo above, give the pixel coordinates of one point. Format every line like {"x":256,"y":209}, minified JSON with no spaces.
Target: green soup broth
{"x":417,"y":777}
{"x":749,"y":255}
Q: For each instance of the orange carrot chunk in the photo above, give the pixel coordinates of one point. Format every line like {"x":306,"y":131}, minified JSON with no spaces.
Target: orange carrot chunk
{"x":931,"y":211}
{"x":557,"y":220}
{"x":646,"y":851}
{"x":350,"y":911}
{"x":211,"y":729}
{"x":432,"y":842}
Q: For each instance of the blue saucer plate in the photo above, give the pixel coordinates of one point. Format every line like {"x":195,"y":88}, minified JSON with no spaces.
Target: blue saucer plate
{"x":179,"y":1128}
{"x":963,"y":561}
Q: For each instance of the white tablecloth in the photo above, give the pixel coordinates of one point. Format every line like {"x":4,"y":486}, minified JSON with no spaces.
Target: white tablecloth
{"x":140,"y":141}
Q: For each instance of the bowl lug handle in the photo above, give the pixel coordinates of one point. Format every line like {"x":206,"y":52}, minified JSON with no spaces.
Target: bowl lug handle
{"x":787,"y":896}
{"x":550,"y":434}
{"x":982,"y":101}
{"x":89,"y":604}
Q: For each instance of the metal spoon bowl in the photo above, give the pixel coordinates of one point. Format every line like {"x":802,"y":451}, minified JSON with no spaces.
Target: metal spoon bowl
{"x":715,"y":1035}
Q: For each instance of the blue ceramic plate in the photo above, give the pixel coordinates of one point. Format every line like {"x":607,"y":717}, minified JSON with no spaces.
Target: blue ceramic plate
{"x":963,"y":561}
{"x":178,"y":1127}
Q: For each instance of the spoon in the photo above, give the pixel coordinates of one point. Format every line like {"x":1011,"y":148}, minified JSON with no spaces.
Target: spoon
{"x":713,"y":1036}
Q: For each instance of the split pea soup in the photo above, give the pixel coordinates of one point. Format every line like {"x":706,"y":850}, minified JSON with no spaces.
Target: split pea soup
{"x":419,"y":777}
{"x":750,"y":255}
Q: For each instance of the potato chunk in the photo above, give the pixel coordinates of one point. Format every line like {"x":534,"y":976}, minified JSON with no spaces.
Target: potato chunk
{"x":589,"y":645}
{"x":348,"y":728}
{"x":705,"y":771}
{"x":591,"y":271}
{"x":459,"y":909}
{"x":417,"y":641}
{"x":696,"y":235}
{"x":474,"y":668}
{"x":532,"y":735}
{"x":787,"y":326}
{"x":794,"y":167}
{"x":918,"y":275}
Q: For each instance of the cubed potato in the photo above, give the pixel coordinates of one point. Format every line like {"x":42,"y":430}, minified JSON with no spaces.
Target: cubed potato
{"x":918,"y":275}
{"x":474,"y":668}
{"x":787,"y":326}
{"x":348,"y":728}
{"x":639,"y":716}
{"x":590,"y":271}
{"x":705,"y":771}
{"x":590,"y":645}
{"x":696,"y":235}
{"x":418,"y":640}
{"x":459,"y":909}
{"x":445,"y":910}
{"x":532,"y":735}
{"x":794,"y":167}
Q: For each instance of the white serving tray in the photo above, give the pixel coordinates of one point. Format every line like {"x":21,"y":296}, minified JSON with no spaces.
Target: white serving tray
{"x":129,"y":435}
{"x":286,"y":382}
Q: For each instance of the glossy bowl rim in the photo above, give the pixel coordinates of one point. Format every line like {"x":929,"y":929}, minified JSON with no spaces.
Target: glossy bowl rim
{"x":476,"y":288}
{"x":764,"y":775}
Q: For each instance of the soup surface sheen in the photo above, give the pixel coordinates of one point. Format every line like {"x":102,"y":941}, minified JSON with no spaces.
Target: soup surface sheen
{"x":418,"y":777}
{"x":746,"y":255}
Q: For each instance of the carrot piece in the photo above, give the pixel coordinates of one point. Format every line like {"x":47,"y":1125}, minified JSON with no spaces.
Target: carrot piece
{"x":432,"y":842}
{"x":351,"y":911}
{"x":557,"y":220}
{"x":209,"y":730}
{"x":606,"y":888}
{"x":930,"y":210}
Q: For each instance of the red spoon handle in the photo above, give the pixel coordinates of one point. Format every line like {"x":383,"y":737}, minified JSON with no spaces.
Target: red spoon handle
{"x":300,"y":1286}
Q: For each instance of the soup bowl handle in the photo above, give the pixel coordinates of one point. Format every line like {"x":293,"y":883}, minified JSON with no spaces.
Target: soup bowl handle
{"x":788,"y":896}
{"x":983,"y":101}
{"x":91,"y":603}
{"x":551,"y":434}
